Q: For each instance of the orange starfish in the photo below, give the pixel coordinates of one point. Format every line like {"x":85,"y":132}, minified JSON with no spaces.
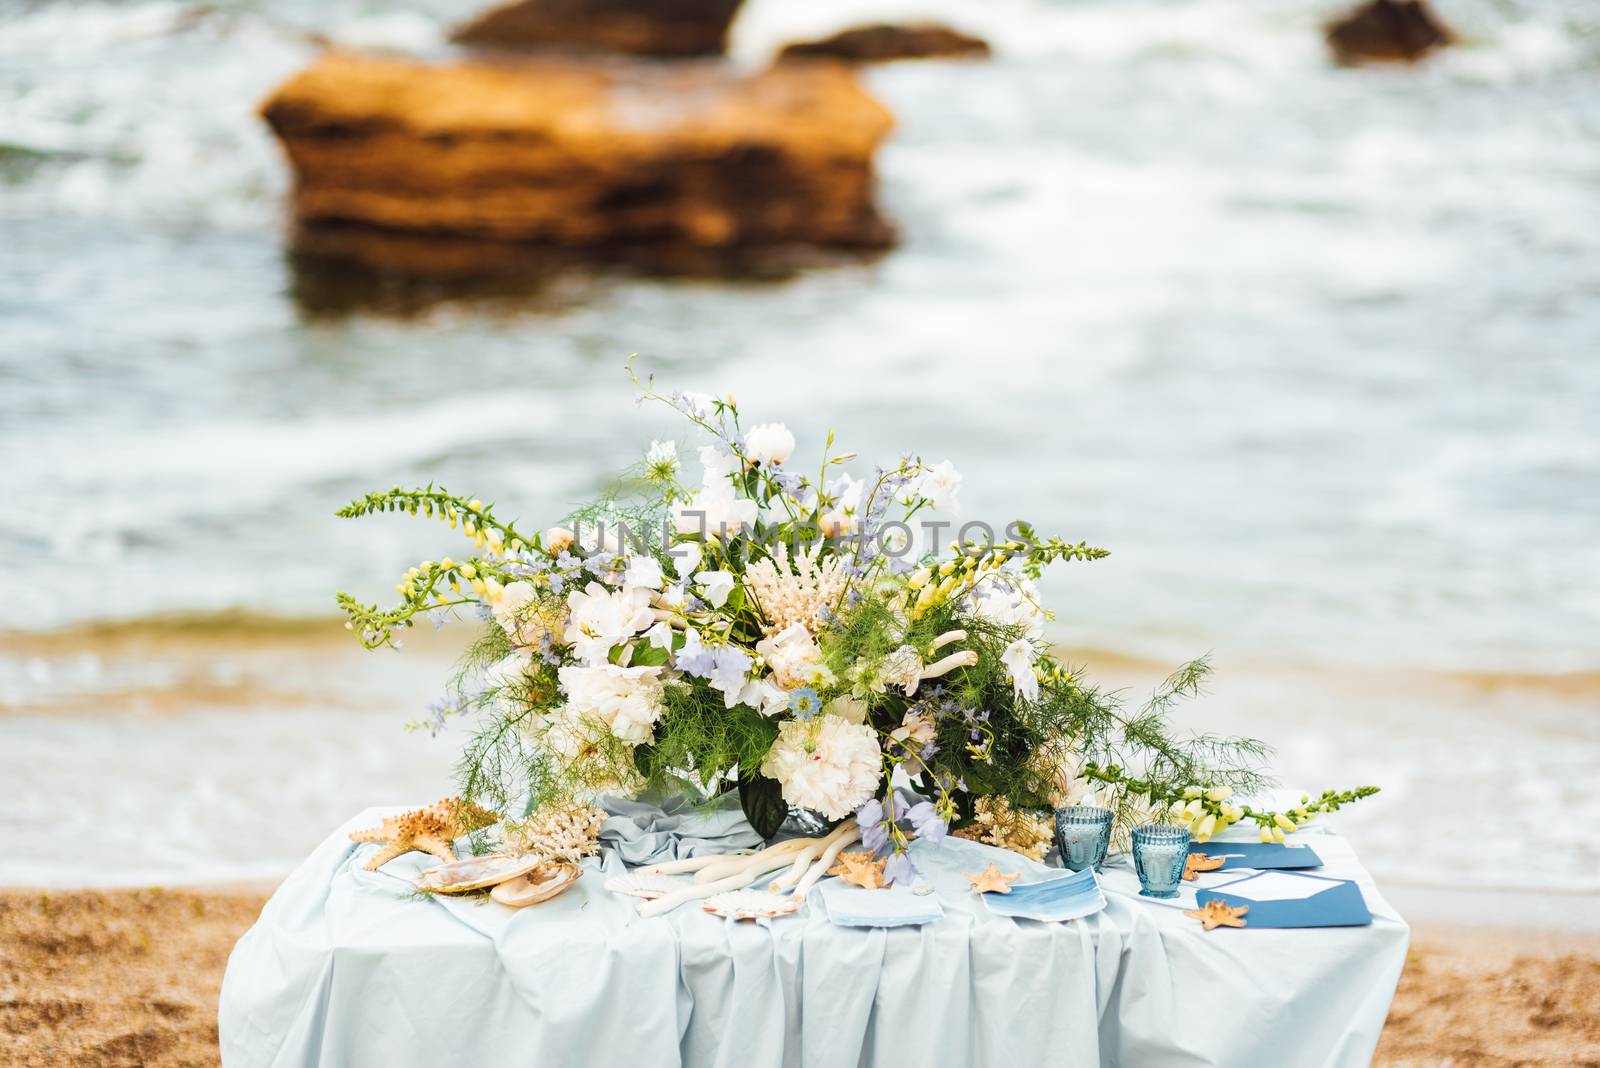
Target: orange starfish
{"x":1216,"y":914}
{"x":859,"y":868}
{"x":992,"y":880}
{"x":427,"y":830}
{"x":1195,"y":863}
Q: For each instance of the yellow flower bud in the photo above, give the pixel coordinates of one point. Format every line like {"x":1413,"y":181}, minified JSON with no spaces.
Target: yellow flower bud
{"x":1206,"y":827}
{"x":1277,"y":834}
{"x":1219,"y":793}
{"x":493,"y":588}
{"x":919,"y":578}
{"x":475,"y":504}
{"x":1266,"y":835}
{"x":467,"y":571}
{"x":1191,"y":791}
{"x":1284,"y":821}
{"x":478,"y":586}
{"x":447,"y":563}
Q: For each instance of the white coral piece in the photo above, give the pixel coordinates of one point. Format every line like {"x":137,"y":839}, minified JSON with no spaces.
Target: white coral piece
{"x":564,"y":831}
{"x":795,"y":591}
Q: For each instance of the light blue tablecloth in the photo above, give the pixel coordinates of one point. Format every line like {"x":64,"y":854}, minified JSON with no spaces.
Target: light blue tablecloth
{"x":349,"y":968}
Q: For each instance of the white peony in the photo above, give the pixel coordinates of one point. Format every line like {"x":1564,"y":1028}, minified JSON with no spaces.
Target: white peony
{"x":1018,"y":659}
{"x":522,"y":617}
{"x":769,"y":443}
{"x":719,"y":465}
{"x":627,"y":700}
{"x":825,"y":764}
{"x":848,"y":708}
{"x":793,"y":655}
{"x":716,"y":585}
{"x":599,"y":619}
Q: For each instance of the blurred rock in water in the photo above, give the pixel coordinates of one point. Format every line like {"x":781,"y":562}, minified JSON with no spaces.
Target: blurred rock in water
{"x":574,"y":154}
{"x":643,"y":27}
{"x":1388,"y":31}
{"x":883,"y":42}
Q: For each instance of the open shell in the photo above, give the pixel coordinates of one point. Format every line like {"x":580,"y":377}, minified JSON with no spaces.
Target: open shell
{"x":475,"y":873}
{"x":751,"y":904}
{"x":542,"y":884}
{"x":643,"y":884}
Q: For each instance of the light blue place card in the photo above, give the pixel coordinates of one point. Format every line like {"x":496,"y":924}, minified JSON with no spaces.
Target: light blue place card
{"x":1066,"y":897}
{"x":894,"y":906}
{"x":1293,"y":899}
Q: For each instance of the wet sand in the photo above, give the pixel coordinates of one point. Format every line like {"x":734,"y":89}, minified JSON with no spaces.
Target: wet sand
{"x":130,"y":977}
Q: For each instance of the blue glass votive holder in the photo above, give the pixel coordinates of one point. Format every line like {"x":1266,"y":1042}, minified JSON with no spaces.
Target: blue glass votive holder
{"x":1159,"y":851}
{"x":1083,"y":834}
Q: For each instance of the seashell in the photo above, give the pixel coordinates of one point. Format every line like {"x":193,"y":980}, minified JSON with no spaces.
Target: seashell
{"x":475,"y":873}
{"x":922,"y":887}
{"x":751,"y":904}
{"x":541,"y":884}
{"x":645,"y":885}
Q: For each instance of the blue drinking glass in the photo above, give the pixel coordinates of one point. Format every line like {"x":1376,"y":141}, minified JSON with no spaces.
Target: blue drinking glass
{"x":1159,"y":851}
{"x":1083,"y":834}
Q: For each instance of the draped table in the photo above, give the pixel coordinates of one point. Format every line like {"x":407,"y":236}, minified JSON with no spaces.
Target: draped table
{"x":352,"y":968}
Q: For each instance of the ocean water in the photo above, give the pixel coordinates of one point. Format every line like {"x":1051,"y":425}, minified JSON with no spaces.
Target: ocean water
{"x":1311,"y":349}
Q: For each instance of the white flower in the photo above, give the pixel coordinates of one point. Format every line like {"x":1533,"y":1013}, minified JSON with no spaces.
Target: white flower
{"x":643,"y":571}
{"x":719,"y":464}
{"x":628,"y":700}
{"x":769,"y":443}
{"x":716,"y":585}
{"x":519,"y":614}
{"x":902,"y":668}
{"x":714,"y":509}
{"x":915,"y":732}
{"x":662,"y":456}
{"x":764,"y":697}
{"x":826,"y":764}
{"x":793,"y":656}
{"x":941,"y":484}
{"x":660,"y":635}
{"x":1009,"y":600}
{"x":850,"y":709}
{"x":686,"y":557}
{"x":1018,"y":659}
{"x":558,"y":538}
{"x":600,"y":618}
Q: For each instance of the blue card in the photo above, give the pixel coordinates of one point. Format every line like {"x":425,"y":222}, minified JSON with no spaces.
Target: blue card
{"x":1258,"y":854}
{"x":1065,"y":897}
{"x":1293,"y":899}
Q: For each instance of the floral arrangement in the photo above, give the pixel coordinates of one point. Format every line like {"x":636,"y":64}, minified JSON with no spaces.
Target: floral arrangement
{"x":794,"y":637}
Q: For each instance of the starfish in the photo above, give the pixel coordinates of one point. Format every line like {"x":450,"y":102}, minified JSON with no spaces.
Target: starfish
{"x":859,"y":868}
{"x":1195,"y":863}
{"x":992,"y":880}
{"x":1216,"y":914}
{"x":427,"y":830}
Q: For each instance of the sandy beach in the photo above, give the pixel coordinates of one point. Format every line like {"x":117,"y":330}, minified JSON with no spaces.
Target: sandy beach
{"x":130,"y":978}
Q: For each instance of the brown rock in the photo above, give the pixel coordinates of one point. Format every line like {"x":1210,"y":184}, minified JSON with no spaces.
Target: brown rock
{"x":568,"y":153}
{"x":1387,"y":31}
{"x":884,"y":42}
{"x":642,"y":27}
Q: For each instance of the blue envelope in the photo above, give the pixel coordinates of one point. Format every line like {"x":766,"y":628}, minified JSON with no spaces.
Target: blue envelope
{"x":1258,"y":854}
{"x":1293,"y":899}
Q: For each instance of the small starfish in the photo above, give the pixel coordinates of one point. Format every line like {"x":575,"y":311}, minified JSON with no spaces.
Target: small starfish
{"x":1195,"y":863}
{"x":992,"y":880}
{"x":429,"y":830}
{"x":1216,"y":914}
{"x":859,"y":868}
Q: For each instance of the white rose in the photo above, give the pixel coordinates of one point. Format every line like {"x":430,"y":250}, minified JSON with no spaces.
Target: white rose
{"x":769,"y":443}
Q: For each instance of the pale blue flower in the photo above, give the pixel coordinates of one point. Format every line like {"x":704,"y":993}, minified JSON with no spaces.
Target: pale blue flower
{"x":899,"y":869}
{"x":804,"y":703}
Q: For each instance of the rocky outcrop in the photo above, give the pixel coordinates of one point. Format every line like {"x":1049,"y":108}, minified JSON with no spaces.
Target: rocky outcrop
{"x":884,"y":42}
{"x":1387,"y":31}
{"x":574,"y":154}
{"x":642,"y":27}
